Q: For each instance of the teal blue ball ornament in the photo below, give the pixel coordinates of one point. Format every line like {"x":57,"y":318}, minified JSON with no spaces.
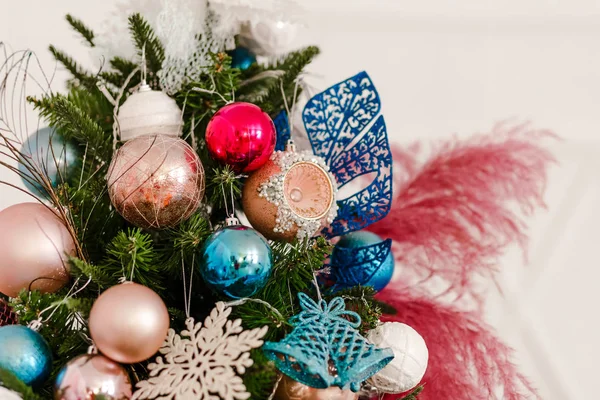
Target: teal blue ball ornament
{"x":25,"y":353}
{"x":236,"y":261}
{"x":241,"y":58}
{"x":49,"y":151}
{"x":384,"y":272}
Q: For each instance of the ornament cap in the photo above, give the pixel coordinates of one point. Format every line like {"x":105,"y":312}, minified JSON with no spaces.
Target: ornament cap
{"x":232,"y":221}
{"x":290,"y":146}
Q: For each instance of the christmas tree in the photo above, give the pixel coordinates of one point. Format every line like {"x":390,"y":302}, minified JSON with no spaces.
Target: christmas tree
{"x":148,"y":167}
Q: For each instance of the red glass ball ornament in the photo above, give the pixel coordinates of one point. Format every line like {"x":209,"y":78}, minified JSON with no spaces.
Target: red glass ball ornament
{"x":241,"y":135}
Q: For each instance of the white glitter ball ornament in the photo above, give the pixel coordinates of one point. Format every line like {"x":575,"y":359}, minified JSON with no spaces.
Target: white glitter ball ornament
{"x":149,"y":112}
{"x":269,"y":37}
{"x":6,"y":394}
{"x":410,"y":357}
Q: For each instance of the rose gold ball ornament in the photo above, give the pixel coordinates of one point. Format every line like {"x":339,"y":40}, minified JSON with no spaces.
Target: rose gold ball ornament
{"x":289,"y":389}
{"x":90,"y":377}
{"x":129,"y":323}
{"x":293,"y":195}
{"x":35,"y":245}
{"x":156,"y":181}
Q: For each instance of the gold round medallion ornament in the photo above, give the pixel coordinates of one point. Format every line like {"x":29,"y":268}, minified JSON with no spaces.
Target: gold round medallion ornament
{"x":292,"y":196}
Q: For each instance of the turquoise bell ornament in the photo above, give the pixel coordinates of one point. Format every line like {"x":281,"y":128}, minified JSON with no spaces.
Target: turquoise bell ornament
{"x":325,"y":349}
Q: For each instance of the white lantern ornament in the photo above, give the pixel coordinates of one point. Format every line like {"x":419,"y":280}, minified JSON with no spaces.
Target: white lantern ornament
{"x":410,"y":357}
{"x":149,"y":112}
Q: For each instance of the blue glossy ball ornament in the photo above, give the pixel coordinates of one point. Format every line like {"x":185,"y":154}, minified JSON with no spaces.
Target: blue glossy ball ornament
{"x":25,"y":353}
{"x":242,"y":58}
{"x":354,"y":240}
{"x":52,"y":154}
{"x":236,"y":261}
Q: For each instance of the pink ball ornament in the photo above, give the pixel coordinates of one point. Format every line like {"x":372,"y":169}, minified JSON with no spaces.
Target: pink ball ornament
{"x":35,"y":245}
{"x":92,"y":377}
{"x":129,"y":323}
{"x":241,"y":135}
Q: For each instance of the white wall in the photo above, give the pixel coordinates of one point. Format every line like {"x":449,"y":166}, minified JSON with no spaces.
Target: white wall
{"x":459,"y":66}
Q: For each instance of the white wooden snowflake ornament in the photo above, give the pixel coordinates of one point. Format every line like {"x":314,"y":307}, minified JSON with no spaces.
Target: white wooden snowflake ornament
{"x":201,"y":362}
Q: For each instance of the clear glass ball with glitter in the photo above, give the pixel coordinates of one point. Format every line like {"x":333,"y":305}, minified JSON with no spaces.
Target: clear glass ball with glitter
{"x":292,"y":196}
{"x":156,"y":181}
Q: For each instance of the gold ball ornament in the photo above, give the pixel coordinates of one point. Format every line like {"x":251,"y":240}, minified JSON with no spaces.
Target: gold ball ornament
{"x":289,"y":389}
{"x":292,"y":196}
{"x":156,"y":181}
{"x":129,"y":323}
{"x":35,"y":246}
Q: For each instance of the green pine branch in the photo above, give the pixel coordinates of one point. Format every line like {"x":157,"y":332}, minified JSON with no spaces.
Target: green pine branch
{"x":414,"y":394}
{"x":271,"y":100}
{"x":294,"y":265}
{"x":11,"y":382}
{"x":80,"y":76}
{"x":75,"y":124}
{"x":83,"y":30}
{"x":131,"y":255}
{"x":145,"y":38}
{"x":360,"y":299}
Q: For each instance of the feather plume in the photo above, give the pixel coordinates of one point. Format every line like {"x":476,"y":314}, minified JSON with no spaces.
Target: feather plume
{"x":466,"y":360}
{"x":453,"y":215}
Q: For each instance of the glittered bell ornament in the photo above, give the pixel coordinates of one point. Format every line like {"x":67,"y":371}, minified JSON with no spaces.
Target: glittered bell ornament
{"x":48,"y":151}
{"x":149,"y":112}
{"x":241,"y":58}
{"x":289,"y":389}
{"x":35,"y":246}
{"x":7,"y":315}
{"x":410,"y":357}
{"x":92,"y":376}
{"x":236,"y":260}
{"x":325,"y":349}
{"x":156,"y":181}
{"x":362,"y":258}
{"x":268,"y":38}
{"x":128,"y":323}
{"x":25,"y":353}
{"x":293,"y":195}
{"x":242,"y":136}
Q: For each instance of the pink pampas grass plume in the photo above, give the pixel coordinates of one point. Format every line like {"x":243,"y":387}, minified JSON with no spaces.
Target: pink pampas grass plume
{"x":466,"y":360}
{"x":453,"y":215}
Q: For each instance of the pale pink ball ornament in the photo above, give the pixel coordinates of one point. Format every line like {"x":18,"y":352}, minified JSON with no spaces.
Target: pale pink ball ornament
{"x":92,"y":376}
{"x":129,"y":323}
{"x":289,"y":389}
{"x":410,"y":357}
{"x":35,"y":245}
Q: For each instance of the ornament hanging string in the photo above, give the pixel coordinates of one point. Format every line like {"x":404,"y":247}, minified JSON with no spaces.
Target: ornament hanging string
{"x":244,"y":300}
{"x":187,"y":292}
{"x":37,"y":323}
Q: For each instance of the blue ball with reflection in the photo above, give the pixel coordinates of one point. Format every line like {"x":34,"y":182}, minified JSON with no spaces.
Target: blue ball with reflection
{"x":49,"y":152}
{"x":242,"y":58}
{"x":236,"y":261}
{"x":383,"y":274}
{"x":25,"y":353}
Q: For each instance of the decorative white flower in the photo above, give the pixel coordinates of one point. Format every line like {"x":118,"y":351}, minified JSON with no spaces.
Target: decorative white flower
{"x":201,"y":362}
